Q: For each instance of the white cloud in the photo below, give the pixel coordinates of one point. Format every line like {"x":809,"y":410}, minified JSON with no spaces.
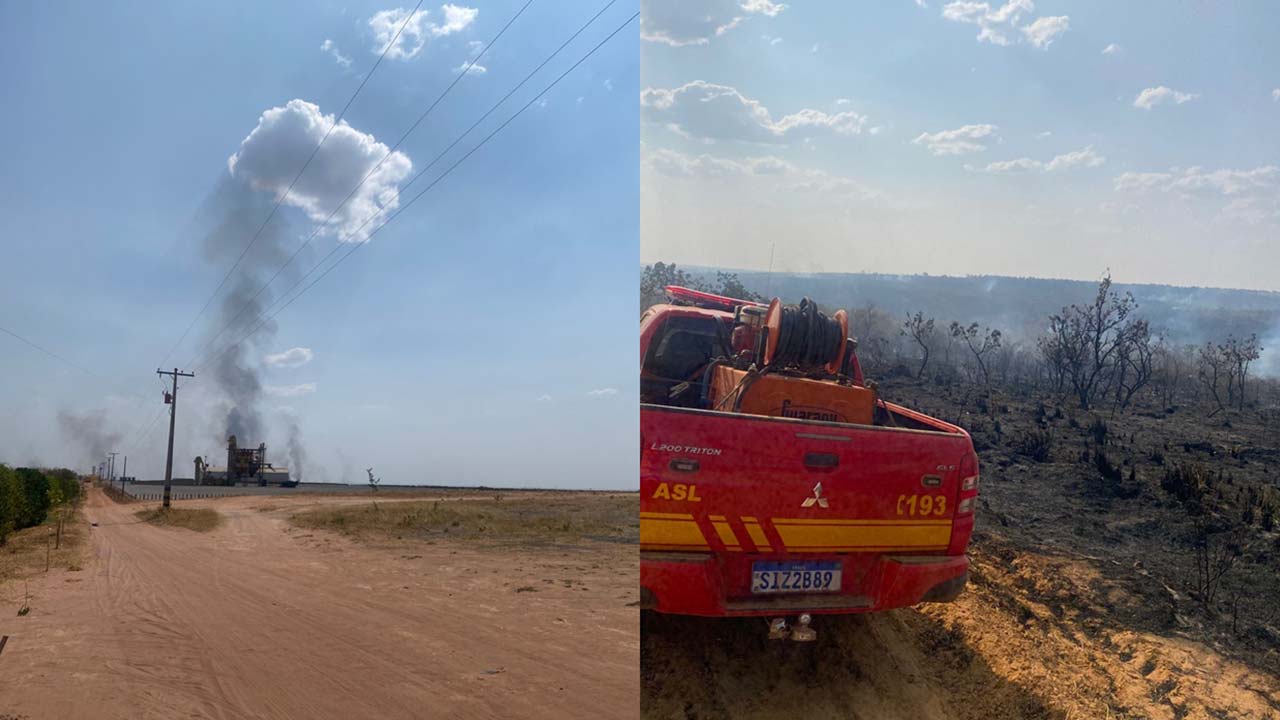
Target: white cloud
{"x":474,"y":69}
{"x":1227,"y":182}
{"x":921,"y":3}
{"x":679,"y":23}
{"x":1044,"y":134}
{"x":993,"y":24}
{"x":602,"y":392}
{"x":719,"y":112}
{"x":1011,"y":166}
{"x":417,"y":31}
{"x":780,"y":174}
{"x":997,"y":26}
{"x":271,"y":155}
{"x":544,"y":398}
{"x":1254,"y":193}
{"x":1078,"y":158}
{"x":956,"y":142}
{"x":1112,"y":49}
{"x":291,"y":358}
{"x":290,"y":390}
{"x":1275,"y":95}
{"x":607,"y":84}
{"x":1161,"y":95}
{"x":1043,"y":31}
{"x":1140,"y":180}
{"x":846,"y":101}
{"x":329,"y":47}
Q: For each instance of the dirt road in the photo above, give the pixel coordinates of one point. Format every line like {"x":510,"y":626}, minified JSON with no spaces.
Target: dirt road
{"x":257,"y":619}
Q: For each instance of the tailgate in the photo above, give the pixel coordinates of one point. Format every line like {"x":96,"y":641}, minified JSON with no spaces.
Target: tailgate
{"x":737,"y":483}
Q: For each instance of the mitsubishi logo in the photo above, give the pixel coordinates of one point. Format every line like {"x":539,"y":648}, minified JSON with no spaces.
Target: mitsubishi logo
{"x":816,"y":499}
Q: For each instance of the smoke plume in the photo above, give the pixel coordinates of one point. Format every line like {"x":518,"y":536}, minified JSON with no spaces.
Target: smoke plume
{"x":297,"y":452}
{"x":88,"y":431}
{"x":235,"y":213}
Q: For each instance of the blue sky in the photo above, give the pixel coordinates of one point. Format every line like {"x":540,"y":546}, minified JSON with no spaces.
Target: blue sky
{"x":1040,"y":138}
{"x":462,"y":345}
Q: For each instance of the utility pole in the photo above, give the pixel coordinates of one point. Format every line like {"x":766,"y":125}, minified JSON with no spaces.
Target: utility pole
{"x":124,"y":474}
{"x":111,"y":472}
{"x":172,"y":400}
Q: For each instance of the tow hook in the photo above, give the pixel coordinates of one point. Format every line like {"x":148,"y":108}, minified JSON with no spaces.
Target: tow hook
{"x":800,"y":632}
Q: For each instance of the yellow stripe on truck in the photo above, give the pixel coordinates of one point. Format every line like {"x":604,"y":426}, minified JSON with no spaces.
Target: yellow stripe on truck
{"x":672,"y":530}
{"x":810,"y":536}
{"x":726,"y":534}
{"x":756,"y":532}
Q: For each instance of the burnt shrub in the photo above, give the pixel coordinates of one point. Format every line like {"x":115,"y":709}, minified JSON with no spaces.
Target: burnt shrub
{"x":1109,"y":472}
{"x":1111,"y":480}
{"x":1098,"y":429}
{"x":1036,"y":445}
{"x":1187,"y":483}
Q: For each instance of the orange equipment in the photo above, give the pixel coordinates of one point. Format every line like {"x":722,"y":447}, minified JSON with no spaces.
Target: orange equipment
{"x":777,"y":395}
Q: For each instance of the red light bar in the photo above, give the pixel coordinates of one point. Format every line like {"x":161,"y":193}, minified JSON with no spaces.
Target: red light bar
{"x":706,"y":300}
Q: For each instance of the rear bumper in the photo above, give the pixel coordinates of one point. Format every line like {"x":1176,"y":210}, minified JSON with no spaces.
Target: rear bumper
{"x":688,"y":583}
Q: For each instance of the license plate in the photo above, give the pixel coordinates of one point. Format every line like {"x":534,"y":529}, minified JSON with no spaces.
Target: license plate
{"x":795,"y":577}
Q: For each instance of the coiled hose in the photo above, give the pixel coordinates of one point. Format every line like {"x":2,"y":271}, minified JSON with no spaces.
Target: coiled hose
{"x":807,"y":337}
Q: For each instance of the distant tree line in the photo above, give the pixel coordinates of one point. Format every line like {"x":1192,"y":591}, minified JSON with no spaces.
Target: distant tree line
{"x":1100,"y":354}
{"x":659,"y":275}
{"x":28,"y":494}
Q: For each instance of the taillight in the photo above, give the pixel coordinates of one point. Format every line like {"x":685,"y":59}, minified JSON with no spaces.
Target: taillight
{"x":969,"y":483}
{"x":966,"y":506}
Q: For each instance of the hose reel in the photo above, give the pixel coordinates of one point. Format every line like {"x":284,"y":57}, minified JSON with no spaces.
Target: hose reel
{"x":803,"y":336}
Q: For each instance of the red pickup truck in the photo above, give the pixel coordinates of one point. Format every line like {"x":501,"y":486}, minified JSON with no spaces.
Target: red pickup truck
{"x":794,"y":511}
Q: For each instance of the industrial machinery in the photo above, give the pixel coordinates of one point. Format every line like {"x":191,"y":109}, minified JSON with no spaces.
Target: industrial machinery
{"x":244,"y":465}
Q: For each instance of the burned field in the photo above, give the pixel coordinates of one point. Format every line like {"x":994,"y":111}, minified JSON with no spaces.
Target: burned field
{"x":1141,"y":585}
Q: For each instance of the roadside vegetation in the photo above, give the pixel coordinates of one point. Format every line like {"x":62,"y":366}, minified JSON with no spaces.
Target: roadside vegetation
{"x":543,"y":518}
{"x":197,"y":519}
{"x":40,"y":522}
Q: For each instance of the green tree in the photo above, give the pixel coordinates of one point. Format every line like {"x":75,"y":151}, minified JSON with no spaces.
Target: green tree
{"x":35,"y":490}
{"x":731,"y":286}
{"x":654,"y":278}
{"x":12,"y":502}
{"x":657,"y":276}
{"x":67,"y":482}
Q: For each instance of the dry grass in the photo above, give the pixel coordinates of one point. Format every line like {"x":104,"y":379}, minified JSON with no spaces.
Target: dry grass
{"x":117,"y":494}
{"x":24,"y":554}
{"x":560,"y":518}
{"x":197,"y":519}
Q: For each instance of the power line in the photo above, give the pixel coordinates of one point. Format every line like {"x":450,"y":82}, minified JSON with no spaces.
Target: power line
{"x":412,"y":180}
{"x":415,"y":198}
{"x":282,"y":198}
{"x":52,"y":354}
{"x":325,"y":223}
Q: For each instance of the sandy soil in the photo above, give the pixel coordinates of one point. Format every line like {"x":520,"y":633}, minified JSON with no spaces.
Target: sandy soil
{"x":258,"y":619}
{"x":999,"y":653}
